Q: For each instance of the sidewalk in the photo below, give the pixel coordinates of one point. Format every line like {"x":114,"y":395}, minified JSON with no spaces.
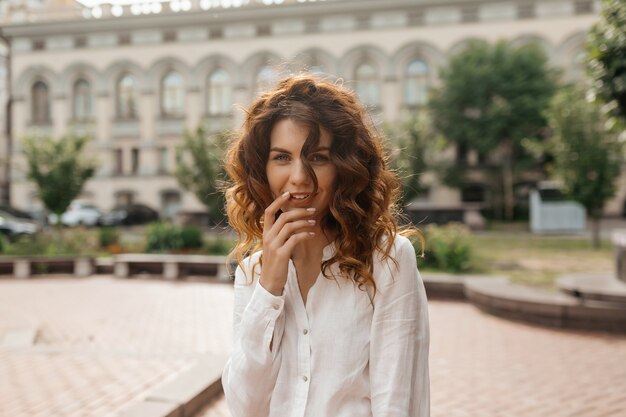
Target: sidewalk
{"x":484,"y":366}
{"x":102,"y":344}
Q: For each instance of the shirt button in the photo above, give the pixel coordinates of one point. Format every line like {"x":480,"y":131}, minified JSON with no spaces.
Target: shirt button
{"x":305,"y":331}
{"x":275,"y":306}
{"x":304,"y":378}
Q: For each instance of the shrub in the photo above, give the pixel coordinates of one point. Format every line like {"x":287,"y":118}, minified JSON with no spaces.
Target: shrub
{"x":74,"y":242}
{"x":448,"y":248}
{"x":163,"y":237}
{"x":219,"y":246}
{"x":3,"y":243}
{"x":109,"y":236}
{"x":191,"y":237}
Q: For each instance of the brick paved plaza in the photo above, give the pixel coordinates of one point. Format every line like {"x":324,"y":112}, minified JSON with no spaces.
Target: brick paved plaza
{"x":484,"y":366}
{"x":102,"y":344}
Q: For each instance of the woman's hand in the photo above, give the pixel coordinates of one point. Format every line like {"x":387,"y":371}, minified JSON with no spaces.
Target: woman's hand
{"x":280,"y":237}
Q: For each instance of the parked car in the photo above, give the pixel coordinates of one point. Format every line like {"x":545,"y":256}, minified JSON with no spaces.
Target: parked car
{"x":14,"y":227}
{"x":15,"y":212}
{"x":128,"y":215}
{"x":78,"y":213}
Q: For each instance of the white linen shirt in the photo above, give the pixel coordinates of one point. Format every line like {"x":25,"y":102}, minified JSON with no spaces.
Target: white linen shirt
{"x":341,"y":355}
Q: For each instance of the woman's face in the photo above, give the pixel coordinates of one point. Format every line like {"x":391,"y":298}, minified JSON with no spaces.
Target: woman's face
{"x":286,"y":172}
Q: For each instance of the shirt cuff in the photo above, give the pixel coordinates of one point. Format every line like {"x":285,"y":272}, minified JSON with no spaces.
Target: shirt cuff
{"x":264,"y":301}
{"x":259,"y":321}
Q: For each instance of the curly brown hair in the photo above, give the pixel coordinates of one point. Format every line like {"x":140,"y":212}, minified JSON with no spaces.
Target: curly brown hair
{"x":363,"y":212}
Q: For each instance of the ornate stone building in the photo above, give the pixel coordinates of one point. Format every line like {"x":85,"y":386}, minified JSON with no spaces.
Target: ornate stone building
{"x":134,"y":75}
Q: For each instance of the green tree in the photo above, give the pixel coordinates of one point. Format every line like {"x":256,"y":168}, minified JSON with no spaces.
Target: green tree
{"x":413,"y":142}
{"x":587,"y":155}
{"x":200,"y":169}
{"x":58,"y":169}
{"x":493,"y":98}
{"x":607,"y":52}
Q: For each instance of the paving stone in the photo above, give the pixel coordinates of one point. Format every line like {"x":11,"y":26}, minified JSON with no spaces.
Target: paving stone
{"x":105,"y":344}
{"x":486,"y":366}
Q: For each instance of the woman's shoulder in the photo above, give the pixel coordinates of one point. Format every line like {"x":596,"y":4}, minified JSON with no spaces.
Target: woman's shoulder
{"x":252,"y":259}
{"x":249,"y":269}
{"x":400,"y":247}
{"x":400,"y":261}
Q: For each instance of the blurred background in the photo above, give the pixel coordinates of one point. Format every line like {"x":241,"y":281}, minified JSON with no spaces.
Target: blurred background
{"x":504,"y":119}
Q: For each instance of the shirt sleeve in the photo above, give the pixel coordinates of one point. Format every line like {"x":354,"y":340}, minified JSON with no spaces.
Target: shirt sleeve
{"x":399,"y":376}
{"x":250,"y":373}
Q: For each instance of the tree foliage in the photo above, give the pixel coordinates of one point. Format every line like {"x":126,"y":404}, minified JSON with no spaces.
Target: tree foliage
{"x":493,"y":99}
{"x":413,"y":141}
{"x":200,"y":169}
{"x":607,"y":52}
{"x":58,"y":169}
{"x":587,"y":155}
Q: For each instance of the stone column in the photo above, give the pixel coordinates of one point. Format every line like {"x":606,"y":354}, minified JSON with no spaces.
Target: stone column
{"x":193,"y":108}
{"x":20,"y":119}
{"x":21,"y":268}
{"x":83,"y":267}
{"x":148,"y":115}
{"x":391,"y":99}
{"x":148,"y":159}
{"x":241,"y":97}
{"x":60,"y":116}
{"x":104,"y":120}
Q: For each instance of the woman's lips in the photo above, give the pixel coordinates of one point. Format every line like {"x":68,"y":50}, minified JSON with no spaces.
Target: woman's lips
{"x":299,"y":198}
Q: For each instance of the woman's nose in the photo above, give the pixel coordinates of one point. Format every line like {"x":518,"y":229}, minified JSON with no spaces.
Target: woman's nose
{"x":298,"y":173}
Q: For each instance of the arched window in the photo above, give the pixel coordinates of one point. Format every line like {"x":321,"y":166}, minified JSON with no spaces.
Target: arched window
{"x":219,"y":93}
{"x":416,"y":83}
{"x":172,"y":95}
{"x":40,"y":103}
{"x":266,"y":78}
{"x":126,"y":97}
{"x":83,"y":105}
{"x":367,"y":84}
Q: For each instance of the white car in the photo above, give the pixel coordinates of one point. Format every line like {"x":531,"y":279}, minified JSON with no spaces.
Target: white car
{"x":79,"y":214}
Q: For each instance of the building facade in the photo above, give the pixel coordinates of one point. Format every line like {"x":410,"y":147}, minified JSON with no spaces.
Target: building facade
{"x":134,"y":76}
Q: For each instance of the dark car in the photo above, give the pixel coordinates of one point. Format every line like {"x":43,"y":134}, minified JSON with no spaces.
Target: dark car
{"x":128,"y":215}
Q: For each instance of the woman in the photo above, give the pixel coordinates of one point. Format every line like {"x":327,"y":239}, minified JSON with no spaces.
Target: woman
{"x":331,"y":317}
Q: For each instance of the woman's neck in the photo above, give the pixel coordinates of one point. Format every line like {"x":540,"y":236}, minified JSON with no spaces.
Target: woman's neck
{"x":312,"y":249}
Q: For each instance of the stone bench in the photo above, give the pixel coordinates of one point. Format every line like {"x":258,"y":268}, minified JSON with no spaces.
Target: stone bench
{"x":502,"y":298}
{"x":25,"y":266}
{"x":172,"y":266}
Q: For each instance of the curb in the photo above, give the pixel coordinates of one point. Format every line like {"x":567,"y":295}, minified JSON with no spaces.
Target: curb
{"x":445,"y":286}
{"x":185,"y":395}
{"x":517,"y":302}
{"x":496,"y":295}
{"x":18,"y":337}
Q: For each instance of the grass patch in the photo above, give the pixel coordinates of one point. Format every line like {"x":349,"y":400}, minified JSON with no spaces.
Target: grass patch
{"x":538,"y":260}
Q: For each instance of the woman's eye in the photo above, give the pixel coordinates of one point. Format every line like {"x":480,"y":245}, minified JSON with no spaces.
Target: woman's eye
{"x":319,"y":158}
{"x":280,"y":157}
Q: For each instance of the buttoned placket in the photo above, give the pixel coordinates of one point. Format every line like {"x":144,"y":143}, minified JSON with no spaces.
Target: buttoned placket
{"x":303,"y":344}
